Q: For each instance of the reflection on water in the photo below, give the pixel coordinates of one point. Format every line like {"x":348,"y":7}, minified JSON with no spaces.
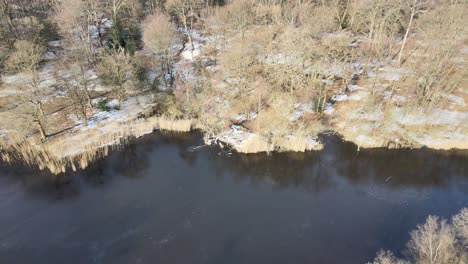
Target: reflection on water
{"x":164,"y":199}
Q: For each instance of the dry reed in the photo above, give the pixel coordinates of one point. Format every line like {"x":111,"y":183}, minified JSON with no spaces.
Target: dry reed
{"x":79,"y":150}
{"x":257,"y":144}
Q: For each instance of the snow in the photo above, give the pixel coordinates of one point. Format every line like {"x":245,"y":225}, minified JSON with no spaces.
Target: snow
{"x":113,"y":103}
{"x":12,"y":79}
{"x":107,"y":22}
{"x":435,"y":117}
{"x":339,"y":97}
{"x":353,"y":87}
{"x":312,"y":142}
{"x":296,"y":116}
{"x":326,"y":81}
{"x":443,"y":139}
{"x":212,"y":68}
{"x":190,"y":53}
{"x":300,"y":110}
{"x":277,"y":59}
{"x":358,"y":96}
{"x":457,"y":100}
{"x":49,"y":55}
{"x":9,"y":92}
{"x":389,"y":73}
{"x":55,"y":43}
{"x":101,"y":116}
{"x":235,"y":136}
{"x":329,"y":109}
{"x":243,"y":117}
{"x":6,"y":131}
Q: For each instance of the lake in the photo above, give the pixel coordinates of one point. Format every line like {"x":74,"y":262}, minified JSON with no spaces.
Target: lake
{"x":166,"y":198}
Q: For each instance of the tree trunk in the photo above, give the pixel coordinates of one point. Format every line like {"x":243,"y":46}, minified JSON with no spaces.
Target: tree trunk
{"x":187,"y":31}
{"x":41,"y":131}
{"x":406,"y":36}
{"x":40,"y":124}
{"x":85,"y":118}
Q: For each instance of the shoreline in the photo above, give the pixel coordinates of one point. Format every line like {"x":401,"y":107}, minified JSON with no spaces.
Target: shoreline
{"x":81,"y":154}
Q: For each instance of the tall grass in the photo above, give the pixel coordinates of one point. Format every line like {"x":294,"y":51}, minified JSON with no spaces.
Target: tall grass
{"x":257,"y":144}
{"x":79,"y":150}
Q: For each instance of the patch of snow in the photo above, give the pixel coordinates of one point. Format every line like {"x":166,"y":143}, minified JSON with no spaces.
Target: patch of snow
{"x":326,"y":81}
{"x":312,"y":142}
{"x":234,"y":136}
{"x":99,"y":117}
{"x":304,"y":107}
{"x":329,"y":109}
{"x":358,"y":96}
{"x":55,"y":43}
{"x":398,"y":99}
{"x":243,"y":117}
{"x":212,"y":68}
{"x":9,"y":92}
{"x":107,"y":22}
{"x":190,"y":54}
{"x":455,"y":99}
{"x":20,"y":77}
{"x":296,"y":116}
{"x":49,"y":55}
{"x":278,"y":59}
{"x":99,"y":88}
{"x":339,"y":97}
{"x":114,"y":103}
{"x":435,"y":117}
{"x":300,"y":110}
{"x":353,"y":87}
{"x":6,"y":131}
{"x":47,"y":83}
{"x":458,"y":59}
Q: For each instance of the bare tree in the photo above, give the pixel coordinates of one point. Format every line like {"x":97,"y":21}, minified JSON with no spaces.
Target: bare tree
{"x":116,"y":6}
{"x":433,"y":242}
{"x":36,"y":98}
{"x":7,"y":14}
{"x":77,"y":83}
{"x":26,"y":57}
{"x":115,"y":70}
{"x":460,"y":222}
{"x":154,"y":5}
{"x":77,"y":20}
{"x":387,"y":257}
{"x":158,"y":35}
{"x":416,"y":7}
{"x":80,"y":101}
{"x":341,"y":8}
{"x":185,"y":11}
{"x":22,"y":19}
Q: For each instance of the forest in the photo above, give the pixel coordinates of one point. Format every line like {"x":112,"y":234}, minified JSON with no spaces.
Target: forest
{"x":81,"y":76}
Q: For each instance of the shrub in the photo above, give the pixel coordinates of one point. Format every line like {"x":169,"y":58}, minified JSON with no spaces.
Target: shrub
{"x":102,"y":105}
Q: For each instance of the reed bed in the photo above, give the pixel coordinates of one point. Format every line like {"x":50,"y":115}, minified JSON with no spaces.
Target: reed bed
{"x":257,"y":144}
{"x":82,"y":148}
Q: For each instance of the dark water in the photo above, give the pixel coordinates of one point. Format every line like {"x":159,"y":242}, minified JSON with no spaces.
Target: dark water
{"x":160,"y":202}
